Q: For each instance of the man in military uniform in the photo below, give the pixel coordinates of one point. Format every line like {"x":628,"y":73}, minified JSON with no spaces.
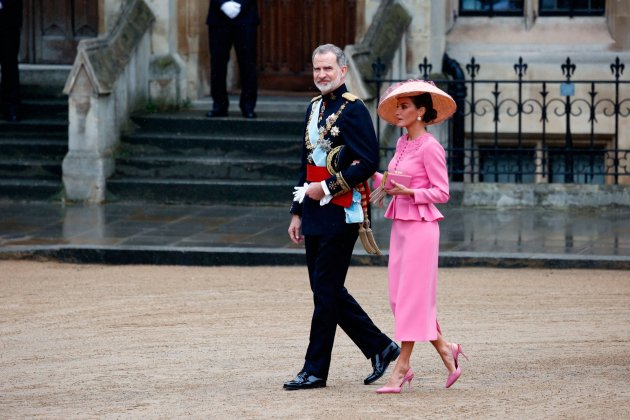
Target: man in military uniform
{"x":326,"y":215}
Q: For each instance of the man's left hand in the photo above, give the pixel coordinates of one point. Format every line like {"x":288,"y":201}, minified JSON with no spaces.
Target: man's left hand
{"x":315,"y":191}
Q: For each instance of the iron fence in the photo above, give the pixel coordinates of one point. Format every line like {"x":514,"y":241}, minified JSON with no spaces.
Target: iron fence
{"x":524,"y":130}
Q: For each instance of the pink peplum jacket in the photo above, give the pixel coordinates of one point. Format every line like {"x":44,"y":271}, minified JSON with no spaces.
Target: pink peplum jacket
{"x":425,"y":160}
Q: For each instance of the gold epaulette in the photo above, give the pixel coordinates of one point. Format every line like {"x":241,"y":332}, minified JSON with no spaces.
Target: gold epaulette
{"x":316,"y":98}
{"x":351,"y":97}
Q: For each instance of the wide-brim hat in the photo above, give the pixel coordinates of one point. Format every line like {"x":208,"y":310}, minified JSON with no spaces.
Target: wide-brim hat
{"x":443,"y":104}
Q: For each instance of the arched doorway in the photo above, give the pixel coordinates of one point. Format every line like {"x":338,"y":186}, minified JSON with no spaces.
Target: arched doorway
{"x":52,"y":29}
{"x":290,"y":30}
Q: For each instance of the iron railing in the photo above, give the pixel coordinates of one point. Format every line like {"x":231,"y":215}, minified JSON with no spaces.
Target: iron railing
{"x":525,"y":130}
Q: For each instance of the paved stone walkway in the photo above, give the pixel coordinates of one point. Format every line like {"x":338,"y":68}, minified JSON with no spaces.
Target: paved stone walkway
{"x":219,"y":235}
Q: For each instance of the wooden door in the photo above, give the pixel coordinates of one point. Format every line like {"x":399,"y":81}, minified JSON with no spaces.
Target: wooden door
{"x":289,"y":32}
{"x":53,"y":28}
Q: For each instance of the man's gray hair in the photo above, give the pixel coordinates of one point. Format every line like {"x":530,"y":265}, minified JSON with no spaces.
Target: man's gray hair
{"x":330,"y":48}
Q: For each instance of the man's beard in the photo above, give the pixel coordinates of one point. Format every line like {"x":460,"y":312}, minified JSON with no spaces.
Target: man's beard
{"x":330,"y":86}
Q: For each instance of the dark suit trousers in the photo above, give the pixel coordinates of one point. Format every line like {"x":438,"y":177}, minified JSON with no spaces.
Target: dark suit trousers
{"x":243,"y":38}
{"x":328,"y":258}
{"x":9,"y":50}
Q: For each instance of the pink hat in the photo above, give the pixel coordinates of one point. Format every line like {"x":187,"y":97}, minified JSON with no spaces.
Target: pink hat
{"x":443,"y":104}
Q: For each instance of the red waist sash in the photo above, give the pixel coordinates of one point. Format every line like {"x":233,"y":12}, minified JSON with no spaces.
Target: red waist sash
{"x":320,"y":173}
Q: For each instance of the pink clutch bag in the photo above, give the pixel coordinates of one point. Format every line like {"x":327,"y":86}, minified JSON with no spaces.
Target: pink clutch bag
{"x":404,"y":180}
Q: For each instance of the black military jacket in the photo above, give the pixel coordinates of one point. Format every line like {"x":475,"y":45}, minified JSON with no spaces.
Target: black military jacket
{"x":351,"y":129}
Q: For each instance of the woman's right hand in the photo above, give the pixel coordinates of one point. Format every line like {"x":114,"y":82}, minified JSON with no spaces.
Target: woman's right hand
{"x":399,"y":189}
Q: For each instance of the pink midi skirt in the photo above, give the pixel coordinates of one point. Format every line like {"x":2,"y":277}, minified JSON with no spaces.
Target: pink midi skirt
{"x":412,"y":269}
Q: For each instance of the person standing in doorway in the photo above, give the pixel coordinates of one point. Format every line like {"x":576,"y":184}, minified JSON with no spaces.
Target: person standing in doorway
{"x":326,"y":213}
{"x":233,"y":24}
{"x":10,"y":28}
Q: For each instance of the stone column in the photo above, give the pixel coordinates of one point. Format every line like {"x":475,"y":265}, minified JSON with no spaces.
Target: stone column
{"x":109,"y":12}
{"x":426,"y":36}
{"x":192,"y":45}
{"x":618,"y":17}
{"x":167,"y":84}
{"x":107,"y":82}
{"x":92,"y":135}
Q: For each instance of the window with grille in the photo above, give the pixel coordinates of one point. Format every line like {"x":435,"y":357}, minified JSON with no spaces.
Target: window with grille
{"x":586,"y":166}
{"x":507,"y":164}
{"x":491,"y":7}
{"x":572,"y":7}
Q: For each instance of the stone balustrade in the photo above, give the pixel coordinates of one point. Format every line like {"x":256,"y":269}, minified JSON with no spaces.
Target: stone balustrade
{"x":108,"y":81}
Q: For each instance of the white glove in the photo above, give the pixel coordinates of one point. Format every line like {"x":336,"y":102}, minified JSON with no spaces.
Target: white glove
{"x":231,"y":9}
{"x":299,"y":193}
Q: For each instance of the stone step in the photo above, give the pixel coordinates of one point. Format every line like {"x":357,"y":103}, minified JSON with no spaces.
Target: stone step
{"x":211,"y":144}
{"x":266,"y":104}
{"x":34,"y":145}
{"x":33,"y":108}
{"x":203,"y":167}
{"x":29,"y":126}
{"x":31,"y":190}
{"x":43,"y":80}
{"x":185,"y":156}
{"x":194,"y":122}
{"x":241,"y":192}
{"x":32,"y":169}
{"x":32,"y":149}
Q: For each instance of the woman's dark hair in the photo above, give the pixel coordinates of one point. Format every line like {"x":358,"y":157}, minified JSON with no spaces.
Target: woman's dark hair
{"x":424,"y":101}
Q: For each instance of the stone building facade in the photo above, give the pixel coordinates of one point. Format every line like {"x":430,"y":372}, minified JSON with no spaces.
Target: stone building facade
{"x":178,"y":59}
{"x":437,"y":27}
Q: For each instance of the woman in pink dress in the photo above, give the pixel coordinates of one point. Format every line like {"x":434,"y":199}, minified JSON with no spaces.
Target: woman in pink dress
{"x":417,"y":179}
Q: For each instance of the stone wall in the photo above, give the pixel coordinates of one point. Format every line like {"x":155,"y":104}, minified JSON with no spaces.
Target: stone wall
{"x":544,"y":44}
{"x":618,"y":17}
{"x":170,"y":75}
{"x":544,"y":195}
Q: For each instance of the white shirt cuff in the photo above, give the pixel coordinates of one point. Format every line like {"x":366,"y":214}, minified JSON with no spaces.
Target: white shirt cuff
{"x":325,"y":188}
{"x":328,"y":196}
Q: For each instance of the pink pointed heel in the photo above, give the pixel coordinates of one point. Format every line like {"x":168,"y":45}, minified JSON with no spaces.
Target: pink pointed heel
{"x":456,"y":350}
{"x":397,"y":389}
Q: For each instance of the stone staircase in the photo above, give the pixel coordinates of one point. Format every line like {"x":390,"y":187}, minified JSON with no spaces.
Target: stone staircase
{"x":185,"y":157}
{"x":32,"y":150}
{"x":176,"y":157}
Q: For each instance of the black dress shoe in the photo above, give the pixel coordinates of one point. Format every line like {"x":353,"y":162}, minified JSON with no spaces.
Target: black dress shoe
{"x":304,"y":380}
{"x":213,"y":114}
{"x":381,"y":360}
{"x":249,"y":114}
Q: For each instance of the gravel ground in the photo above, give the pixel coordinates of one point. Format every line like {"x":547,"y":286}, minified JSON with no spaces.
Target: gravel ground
{"x":92,"y":341}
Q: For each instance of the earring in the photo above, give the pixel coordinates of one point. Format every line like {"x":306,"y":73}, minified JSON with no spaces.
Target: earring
{"x":419,"y":118}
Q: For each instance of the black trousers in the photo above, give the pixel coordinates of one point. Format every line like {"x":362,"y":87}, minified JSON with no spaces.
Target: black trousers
{"x":221,"y":39}
{"x":9,"y":50}
{"x":328,"y":259}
